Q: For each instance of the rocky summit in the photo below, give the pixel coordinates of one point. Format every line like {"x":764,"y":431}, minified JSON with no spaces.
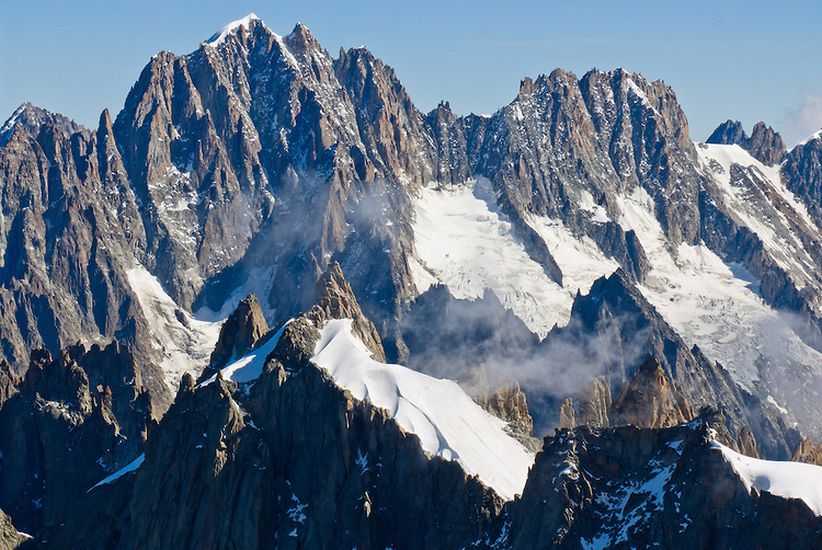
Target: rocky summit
{"x":272,"y":303}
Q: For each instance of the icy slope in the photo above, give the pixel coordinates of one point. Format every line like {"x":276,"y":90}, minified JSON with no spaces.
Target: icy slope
{"x":465,"y":243}
{"x":448,"y":423}
{"x":756,"y":196}
{"x":717,"y":307}
{"x":184,"y":343}
{"x":786,"y":479}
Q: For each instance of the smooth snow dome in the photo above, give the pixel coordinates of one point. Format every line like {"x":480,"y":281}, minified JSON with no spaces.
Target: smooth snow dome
{"x":128,"y":468}
{"x":185,"y":345}
{"x":448,"y":422}
{"x":465,"y":243}
{"x":249,"y":367}
{"x":785,"y":479}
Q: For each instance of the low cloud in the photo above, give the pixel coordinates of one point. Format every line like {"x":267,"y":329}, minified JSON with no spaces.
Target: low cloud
{"x":804,"y":120}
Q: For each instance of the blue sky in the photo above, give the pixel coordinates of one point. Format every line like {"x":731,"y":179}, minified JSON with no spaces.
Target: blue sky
{"x":725,"y":59}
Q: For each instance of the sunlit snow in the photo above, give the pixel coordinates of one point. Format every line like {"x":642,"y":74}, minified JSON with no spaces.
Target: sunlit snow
{"x":448,"y":422}
{"x":245,"y":23}
{"x":184,"y":343}
{"x":128,"y":468}
{"x":786,"y":479}
{"x":467,"y":244}
{"x":249,"y":367}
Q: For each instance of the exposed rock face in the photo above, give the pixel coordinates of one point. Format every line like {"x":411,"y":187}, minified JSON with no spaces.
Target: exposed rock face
{"x":629,"y":487}
{"x":657,"y":378}
{"x":10,"y":538}
{"x":649,"y":400}
{"x":75,"y":418}
{"x":808,"y":452}
{"x":238,"y":334}
{"x":9,"y":381}
{"x":32,"y":119}
{"x":509,"y":403}
{"x":729,"y":132}
{"x":70,"y":218}
{"x":803,"y":174}
{"x":291,"y":460}
{"x":764,"y":144}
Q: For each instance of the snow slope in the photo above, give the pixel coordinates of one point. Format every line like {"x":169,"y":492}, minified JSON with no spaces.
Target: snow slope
{"x":761,"y":201}
{"x":244,"y":23}
{"x":786,"y":479}
{"x":464,"y":242}
{"x":184,"y":343}
{"x":448,"y":422}
{"x":717,"y":307}
{"x":250,"y":366}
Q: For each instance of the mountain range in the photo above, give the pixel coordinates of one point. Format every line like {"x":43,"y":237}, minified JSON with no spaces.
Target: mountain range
{"x":272,"y":303}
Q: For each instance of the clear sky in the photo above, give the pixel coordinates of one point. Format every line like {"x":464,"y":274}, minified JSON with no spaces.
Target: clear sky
{"x":747,"y":60}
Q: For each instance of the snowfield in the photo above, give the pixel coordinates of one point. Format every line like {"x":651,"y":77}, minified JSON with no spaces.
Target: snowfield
{"x":447,"y":421}
{"x":716,"y":306}
{"x":763,"y":203}
{"x":465,"y":243}
{"x":785,"y":479}
{"x":184,"y":343}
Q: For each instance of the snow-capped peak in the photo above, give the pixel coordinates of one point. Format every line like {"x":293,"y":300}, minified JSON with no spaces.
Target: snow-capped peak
{"x":815,"y":135}
{"x":245,"y":23}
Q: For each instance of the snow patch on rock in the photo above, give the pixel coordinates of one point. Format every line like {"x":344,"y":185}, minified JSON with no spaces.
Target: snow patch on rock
{"x":244,"y":23}
{"x":249,"y":367}
{"x":127,"y":469}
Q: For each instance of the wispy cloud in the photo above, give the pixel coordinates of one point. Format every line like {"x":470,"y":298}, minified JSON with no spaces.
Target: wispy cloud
{"x":805,"y":119}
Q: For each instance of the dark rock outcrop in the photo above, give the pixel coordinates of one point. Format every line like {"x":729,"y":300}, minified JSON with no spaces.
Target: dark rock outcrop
{"x":9,"y":380}
{"x":292,"y":460}
{"x":238,"y":334}
{"x":764,"y":144}
{"x":802,"y":172}
{"x":629,"y":487}
{"x":729,"y":132}
{"x":75,"y":418}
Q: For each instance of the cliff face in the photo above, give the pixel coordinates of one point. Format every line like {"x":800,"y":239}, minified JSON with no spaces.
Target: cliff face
{"x":289,"y":459}
{"x":629,"y":487}
{"x":74,"y":418}
{"x":10,"y":538}
{"x":238,"y":334}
